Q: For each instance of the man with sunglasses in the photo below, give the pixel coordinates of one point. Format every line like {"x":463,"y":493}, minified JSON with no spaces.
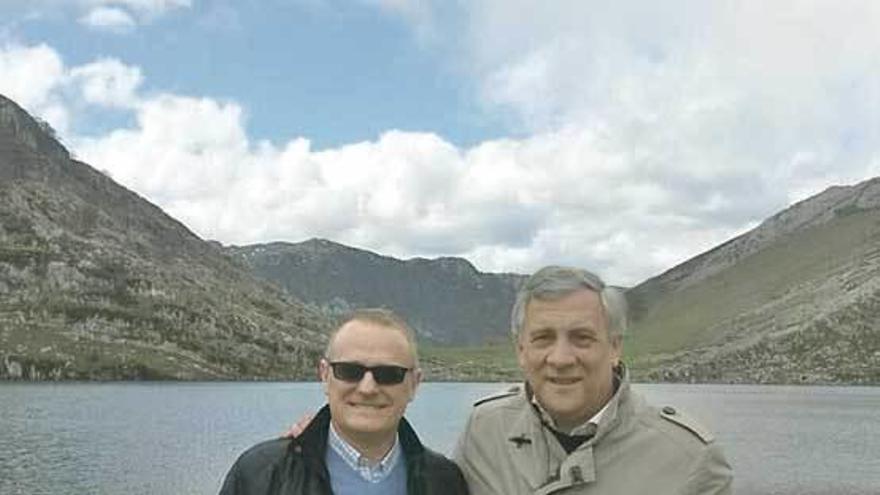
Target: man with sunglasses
{"x":359,"y":443}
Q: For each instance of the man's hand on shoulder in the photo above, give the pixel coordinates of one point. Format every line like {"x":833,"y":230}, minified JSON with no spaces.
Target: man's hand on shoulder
{"x":297,"y":429}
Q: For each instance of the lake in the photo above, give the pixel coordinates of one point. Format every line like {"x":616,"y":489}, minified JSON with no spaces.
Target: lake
{"x":180,"y":438}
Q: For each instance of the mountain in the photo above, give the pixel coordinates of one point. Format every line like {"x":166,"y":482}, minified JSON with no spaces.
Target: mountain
{"x":446,"y":300}
{"x":97,"y":283}
{"x":795,"y":300}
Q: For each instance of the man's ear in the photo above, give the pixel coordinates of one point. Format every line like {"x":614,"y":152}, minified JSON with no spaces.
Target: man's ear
{"x":616,"y":349}
{"x":417,"y":380}
{"x":520,"y":351}
{"x":324,"y":373}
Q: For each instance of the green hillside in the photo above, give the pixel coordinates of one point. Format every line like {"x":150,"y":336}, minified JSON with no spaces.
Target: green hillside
{"x":778,"y":298}
{"x":489,"y":362}
{"x":700,"y":313}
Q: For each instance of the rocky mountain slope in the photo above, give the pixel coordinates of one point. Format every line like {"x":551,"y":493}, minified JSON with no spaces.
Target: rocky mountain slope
{"x":796,"y":300}
{"x":447,"y":300}
{"x":97,"y":283}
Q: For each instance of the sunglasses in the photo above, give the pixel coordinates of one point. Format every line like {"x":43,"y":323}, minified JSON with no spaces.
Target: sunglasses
{"x":383,"y":374}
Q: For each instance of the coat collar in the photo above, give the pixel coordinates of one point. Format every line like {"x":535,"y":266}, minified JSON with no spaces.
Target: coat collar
{"x":616,"y":406}
{"x":530,"y":441}
{"x":314,"y":438}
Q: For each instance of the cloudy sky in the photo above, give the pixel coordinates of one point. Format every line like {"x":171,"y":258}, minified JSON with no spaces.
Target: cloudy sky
{"x":622,"y":136}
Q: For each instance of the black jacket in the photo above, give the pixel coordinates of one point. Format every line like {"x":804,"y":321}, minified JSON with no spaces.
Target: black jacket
{"x":297,"y":467}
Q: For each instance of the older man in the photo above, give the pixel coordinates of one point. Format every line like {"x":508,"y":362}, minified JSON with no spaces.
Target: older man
{"x":359,"y":443}
{"x":576,"y":427}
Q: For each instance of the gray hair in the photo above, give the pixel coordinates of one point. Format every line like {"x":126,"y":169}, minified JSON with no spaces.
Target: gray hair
{"x":380,"y":317}
{"x":552,"y":282}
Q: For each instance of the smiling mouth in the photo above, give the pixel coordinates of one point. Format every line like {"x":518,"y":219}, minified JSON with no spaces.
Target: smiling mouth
{"x":367,"y":406}
{"x":563,"y":380}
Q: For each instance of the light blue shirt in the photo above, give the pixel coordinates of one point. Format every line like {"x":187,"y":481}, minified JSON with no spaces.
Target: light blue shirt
{"x":374,"y":473}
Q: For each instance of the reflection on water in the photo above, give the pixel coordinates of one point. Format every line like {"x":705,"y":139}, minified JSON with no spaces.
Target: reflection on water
{"x":171,"y":438}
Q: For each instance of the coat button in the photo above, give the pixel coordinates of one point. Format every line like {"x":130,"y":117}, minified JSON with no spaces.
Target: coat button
{"x":669,"y":410}
{"x":576,"y":475}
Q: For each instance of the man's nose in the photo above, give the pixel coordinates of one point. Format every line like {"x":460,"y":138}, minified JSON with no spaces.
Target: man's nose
{"x":368,"y":383}
{"x":561,"y":354}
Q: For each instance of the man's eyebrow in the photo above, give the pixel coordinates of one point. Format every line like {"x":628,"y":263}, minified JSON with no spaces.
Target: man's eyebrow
{"x":539,"y":329}
{"x":586,"y":328}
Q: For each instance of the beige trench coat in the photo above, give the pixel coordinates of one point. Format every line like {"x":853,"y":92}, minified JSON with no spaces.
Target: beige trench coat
{"x":637,"y":449}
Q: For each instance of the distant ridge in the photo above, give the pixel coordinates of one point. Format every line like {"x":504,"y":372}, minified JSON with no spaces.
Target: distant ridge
{"x":446,"y":299}
{"x":795,"y":300}
{"x":97,"y":283}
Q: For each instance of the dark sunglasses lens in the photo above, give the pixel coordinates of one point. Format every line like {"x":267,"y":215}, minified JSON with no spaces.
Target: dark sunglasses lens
{"x":354,"y":372}
{"x":348,"y":372}
{"x":388,"y":375}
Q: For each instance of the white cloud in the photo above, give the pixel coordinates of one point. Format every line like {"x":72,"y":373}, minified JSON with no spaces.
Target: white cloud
{"x":652,"y":133}
{"x":183,"y":149}
{"x":109,"y":19}
{"x":507,"y":205}
{"x":31,"y":75}
{"x":123,"y":16}
{"x":36,"y":78}
{"x":141,"y":7}
{"x":108,"y":82}
{"x":714,"y":115}
{"x":742,"y":86}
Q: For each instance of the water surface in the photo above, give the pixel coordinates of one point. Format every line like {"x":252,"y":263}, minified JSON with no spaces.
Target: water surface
{"x":181,"y":438}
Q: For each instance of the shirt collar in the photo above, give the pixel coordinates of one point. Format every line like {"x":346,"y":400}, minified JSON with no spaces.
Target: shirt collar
{"x":582,"y":429}
{"x":586,"y":428}
{"x":373,"y":473}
